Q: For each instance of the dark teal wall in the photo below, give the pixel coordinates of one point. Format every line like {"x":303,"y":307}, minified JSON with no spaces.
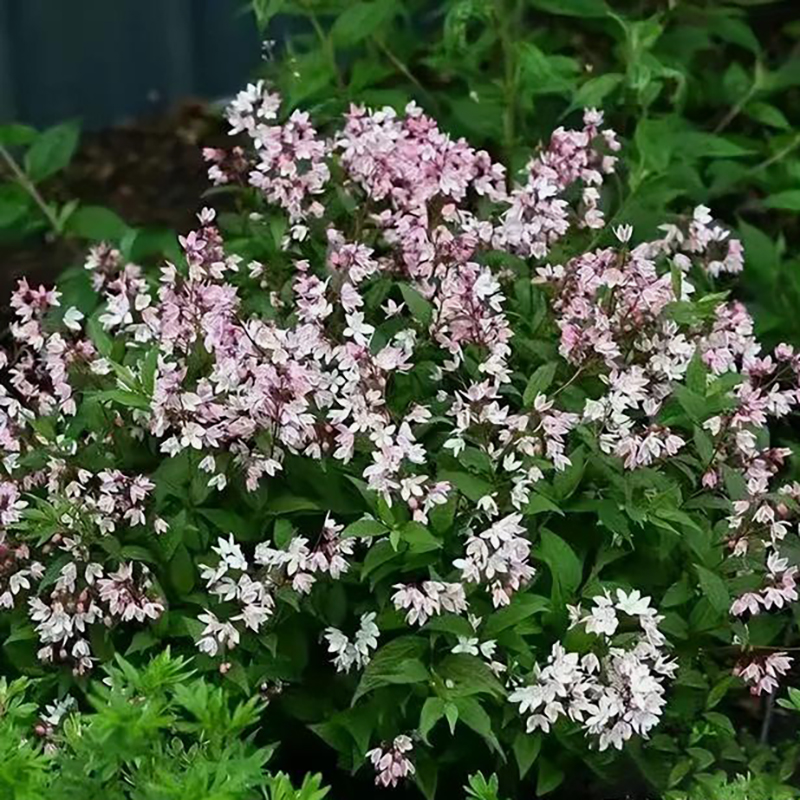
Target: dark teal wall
{"x":106,"y":61}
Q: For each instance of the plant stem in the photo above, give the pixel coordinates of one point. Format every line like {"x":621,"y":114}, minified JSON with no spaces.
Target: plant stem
{"x":25,"y":182}
{"x":736,"y":109}
{"x":327,"y":48}
{"x":770,"y":710}
{"x":402,"y":67}
{"x":509,"y":77}
{"x":782,"y":153}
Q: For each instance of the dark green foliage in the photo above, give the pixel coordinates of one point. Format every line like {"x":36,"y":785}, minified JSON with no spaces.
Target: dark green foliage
{"x":705,"y":95}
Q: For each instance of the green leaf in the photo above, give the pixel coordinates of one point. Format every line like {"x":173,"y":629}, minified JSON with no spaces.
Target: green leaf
{"x":451,"y":712}
{"x":714,"y":589}
{"x":677,"y":594}
{"x":566,"y":482}
{"x":693,"y":404}
{"x":704,"y":444}
{"x":16,"y":135}
{"x":418,"y":538}
{"x":768,"y":114}
{"x":450,"y":623}
{"x":379,"y":554}
{"x":522,"y":606}
{"x":469,"y":675}
{"x":361,"y":20}
{"x":97,"y":224}
{"x":592,"y":93}
{"x":365,"y":528}
{"x":697,"y":375}
{"x":472,"y":487}
{"x":265,"y":10}
{"x":229,"y":521}
{"x":432,"y":712}
{"x":473,"y":715}
{"x":15,"y":203}
{"x":699,"y":144}
{"x":181,"y":571}
{"x":124,"y":398}
{"x":421,"y":308}
{"x":719,"y":691}
{"x":544,"y":73}
{"x":538,"y":383}
{"x":282,"y":532}
{"x":655,"y":141}
{"x":565,"y":566}
{"x":149,"y":365}
{"x":51,"y":151}
{"x":572,"y":8}
{"x":142,"y":640}
{"x":734,"y":30}
{"x":786,"y":201}
{"x":99,"y":336}
{"x":133,"y":552}
{"x":526,"y":749}
{"x":288,"y":504}
{"x":397,"y":662}
{"x":762,"y":253}
{"x":549,"y":777}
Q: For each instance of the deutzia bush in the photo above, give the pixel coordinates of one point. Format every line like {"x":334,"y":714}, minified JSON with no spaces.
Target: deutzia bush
{"x":418,"y":445}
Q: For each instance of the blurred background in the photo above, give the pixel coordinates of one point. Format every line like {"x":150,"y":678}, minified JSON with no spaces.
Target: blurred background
{"x":141,"y":79}
{"x":110,"y":62}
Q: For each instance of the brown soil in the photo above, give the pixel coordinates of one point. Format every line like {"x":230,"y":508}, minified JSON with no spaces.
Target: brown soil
{"x":150,"y":172}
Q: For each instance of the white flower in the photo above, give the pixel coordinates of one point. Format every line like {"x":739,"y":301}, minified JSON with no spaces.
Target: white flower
{"x":72,"y":318}
{"x":623,"y":233}
{"x":466,"y":645}
{"x":357,"y":329}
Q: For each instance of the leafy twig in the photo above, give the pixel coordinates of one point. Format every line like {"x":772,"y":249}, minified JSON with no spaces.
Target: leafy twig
{"x":25,"y":182}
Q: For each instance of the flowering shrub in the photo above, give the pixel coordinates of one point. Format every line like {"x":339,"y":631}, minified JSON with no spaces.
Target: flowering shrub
{"x":392,"y":436}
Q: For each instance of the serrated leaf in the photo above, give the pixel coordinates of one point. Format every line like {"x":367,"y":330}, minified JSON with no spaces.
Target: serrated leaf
{"x":51,"y":151}
{"x":714,"y":589}
{"x":397,"y":662}
{"x":432,"y":712}
{"x":365,"y":528}
{"x":469,"y":675}
{"x":538,"y":383}
{"x":549,"y":777}
{"x":526,"y":749}
{"x":420,"y":308}
{"x":473,"y":715}
{"x":522,"y":606}
{"x":565,"y":566}
{"x":97,"y":224}
{"x":361,"y":20}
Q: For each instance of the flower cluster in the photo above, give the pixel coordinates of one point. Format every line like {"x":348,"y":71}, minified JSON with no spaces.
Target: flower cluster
{"x":613,"y":695}
{"x":429,"y":599}
{"x":392,"y":764}
{"x":347,"y":654}
{"x":761,"y":673}
{"x":498,"y":557}
{"x":251,"y":585}
{"x":82,"y":598}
